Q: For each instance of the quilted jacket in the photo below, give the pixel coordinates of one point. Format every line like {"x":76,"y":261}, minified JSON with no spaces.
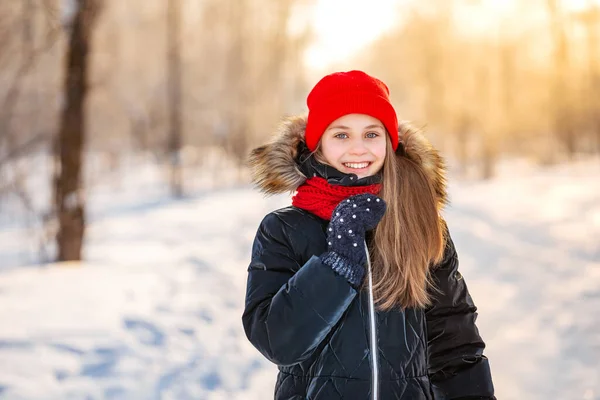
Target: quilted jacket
{"x":317,"y":328}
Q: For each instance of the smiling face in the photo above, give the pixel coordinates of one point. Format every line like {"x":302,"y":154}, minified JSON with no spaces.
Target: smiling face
{"x":355,"y":144}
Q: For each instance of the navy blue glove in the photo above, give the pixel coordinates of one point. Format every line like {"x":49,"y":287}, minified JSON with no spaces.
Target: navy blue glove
{"x":350,"y":220}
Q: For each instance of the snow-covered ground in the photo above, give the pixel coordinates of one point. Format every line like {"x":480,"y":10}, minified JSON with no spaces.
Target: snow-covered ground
{"x":155,"y":311}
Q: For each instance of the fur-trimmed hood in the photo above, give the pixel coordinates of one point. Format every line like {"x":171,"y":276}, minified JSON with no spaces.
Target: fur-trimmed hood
{"x":275,"y":169}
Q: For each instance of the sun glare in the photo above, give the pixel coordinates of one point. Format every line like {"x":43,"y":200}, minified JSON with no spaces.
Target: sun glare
{"x":578,"y":5}
{"x":342,"y":28}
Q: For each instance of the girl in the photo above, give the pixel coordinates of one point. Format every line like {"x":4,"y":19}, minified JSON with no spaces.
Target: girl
{"x":354,"y":290}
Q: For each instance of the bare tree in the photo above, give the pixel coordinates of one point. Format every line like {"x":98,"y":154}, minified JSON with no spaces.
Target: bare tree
{"x":27,"y":62}
{"x":174,"y":95}
{"x":591,"y":21}
{"x":563,"y":118}
{"x":69,"y":199}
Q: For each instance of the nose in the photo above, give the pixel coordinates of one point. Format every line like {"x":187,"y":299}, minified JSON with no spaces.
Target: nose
{"x":358,"y":147}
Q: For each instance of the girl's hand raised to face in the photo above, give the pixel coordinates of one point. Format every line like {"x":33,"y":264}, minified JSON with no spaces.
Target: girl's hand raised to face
{"x":350,"y":220}
{"x":362,"y":211}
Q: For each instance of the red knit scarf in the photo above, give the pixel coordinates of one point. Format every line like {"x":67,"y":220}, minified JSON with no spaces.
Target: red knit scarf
{"x":319,"y":197}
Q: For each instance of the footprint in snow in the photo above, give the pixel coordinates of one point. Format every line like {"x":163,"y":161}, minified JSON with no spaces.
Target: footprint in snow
{"x":146,"y":332}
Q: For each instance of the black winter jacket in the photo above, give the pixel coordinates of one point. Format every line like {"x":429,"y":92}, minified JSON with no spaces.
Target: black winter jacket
{"x":309,"y":321}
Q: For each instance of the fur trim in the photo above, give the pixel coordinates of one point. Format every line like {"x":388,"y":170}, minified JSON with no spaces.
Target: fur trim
{"x":416,"y":147}
{"x":273,"y":165}
{"x":274,"y":169}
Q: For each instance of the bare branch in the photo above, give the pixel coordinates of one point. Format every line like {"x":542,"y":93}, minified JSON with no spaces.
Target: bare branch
{"x":23,"y":148}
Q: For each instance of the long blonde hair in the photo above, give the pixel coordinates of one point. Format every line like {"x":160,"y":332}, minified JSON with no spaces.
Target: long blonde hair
{"x":410,"y":237}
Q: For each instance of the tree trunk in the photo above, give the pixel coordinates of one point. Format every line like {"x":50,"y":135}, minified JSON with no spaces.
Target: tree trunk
{"x":174,"y":95}
{"x":462,"y":138}
{"x":488,"y":129}
{"x":488,"y":167}
{"x":563,"y":118}
{"x":592,"y":23}
{"x":239,"y":87}
{"x":68,"y":188}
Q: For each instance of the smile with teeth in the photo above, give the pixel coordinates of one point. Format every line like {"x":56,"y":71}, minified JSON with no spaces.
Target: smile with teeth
{"x":357,"y":165}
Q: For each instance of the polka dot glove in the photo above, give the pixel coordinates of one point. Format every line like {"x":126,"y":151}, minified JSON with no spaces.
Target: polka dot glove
{"x":350,"y":220}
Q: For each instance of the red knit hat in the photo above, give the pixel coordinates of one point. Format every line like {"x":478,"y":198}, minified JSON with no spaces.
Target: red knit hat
{"x":344,"y":93}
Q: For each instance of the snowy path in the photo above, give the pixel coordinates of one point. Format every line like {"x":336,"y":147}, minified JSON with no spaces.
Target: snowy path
{"x":155,"y":311}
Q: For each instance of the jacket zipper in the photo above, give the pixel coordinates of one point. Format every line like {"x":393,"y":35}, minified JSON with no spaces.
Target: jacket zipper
{"x":373,"y":331}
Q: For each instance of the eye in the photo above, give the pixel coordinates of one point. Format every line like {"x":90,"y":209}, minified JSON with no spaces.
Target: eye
{"x":372,"y":135}
{"x":341,"y":135}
